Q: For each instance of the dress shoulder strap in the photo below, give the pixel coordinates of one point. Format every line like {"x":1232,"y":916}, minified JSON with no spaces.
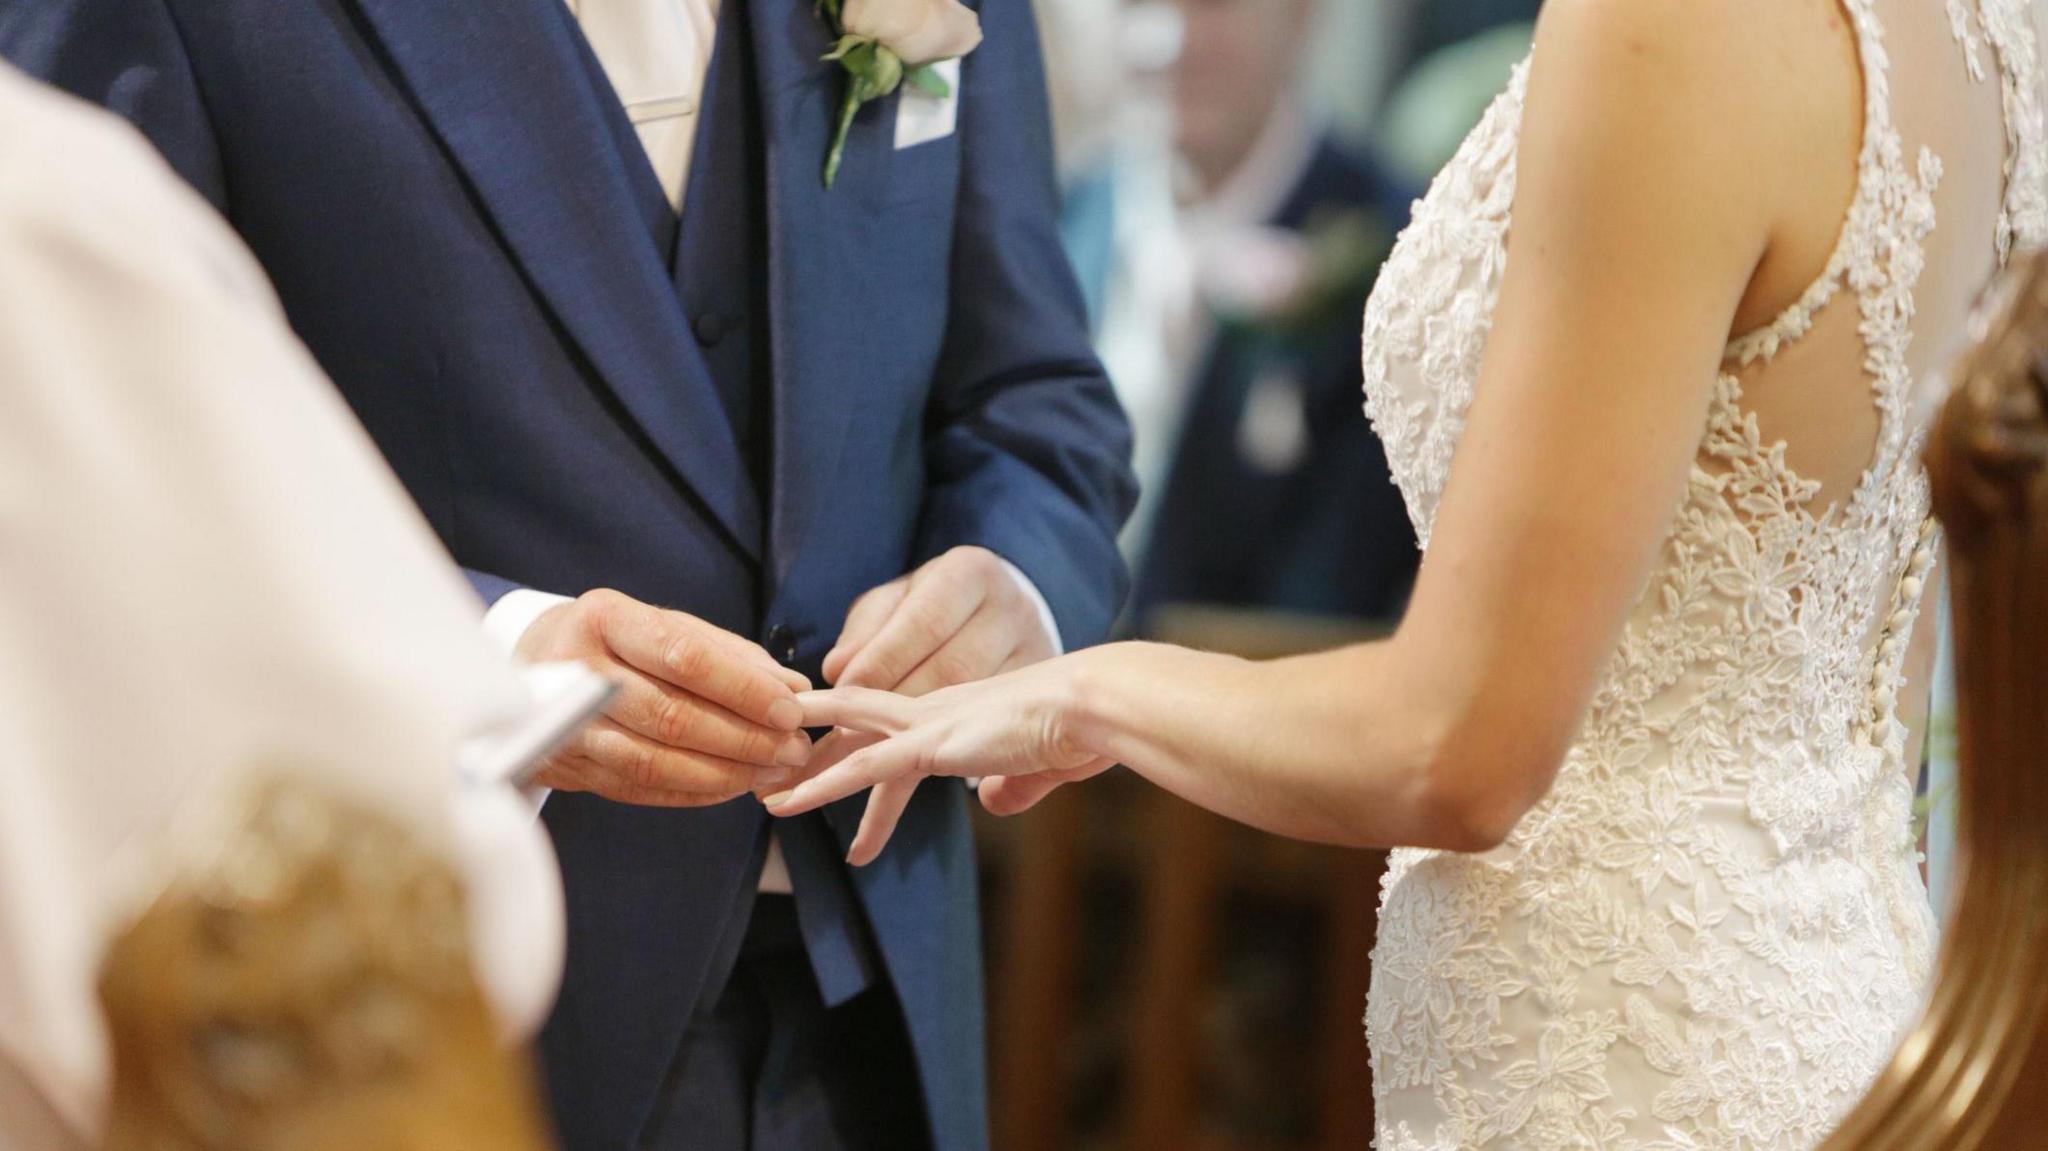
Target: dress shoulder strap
{"x":1886,"y":189}
{"x":2005,"y":31}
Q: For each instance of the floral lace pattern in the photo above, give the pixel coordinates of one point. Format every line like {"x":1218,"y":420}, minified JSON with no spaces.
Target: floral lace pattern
{"x":1711,"y":930}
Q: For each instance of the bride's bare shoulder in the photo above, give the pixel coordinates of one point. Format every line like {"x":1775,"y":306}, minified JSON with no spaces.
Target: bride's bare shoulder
{"x":1704,"y":24}
{"x":1765,"y":89}
{"x":1735,"y":48}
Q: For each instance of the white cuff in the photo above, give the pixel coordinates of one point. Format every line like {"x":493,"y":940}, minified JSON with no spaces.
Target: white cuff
{"x":1045,"y":616}
{"x":515,"y":611}
{"x":504,"y":624}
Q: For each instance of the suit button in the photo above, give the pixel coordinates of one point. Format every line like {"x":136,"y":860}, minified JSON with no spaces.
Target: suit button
{"x":710,"y":328}
{"x":782,"y":643}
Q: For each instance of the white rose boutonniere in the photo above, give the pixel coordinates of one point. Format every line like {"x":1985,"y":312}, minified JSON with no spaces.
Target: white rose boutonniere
{"x":883,"y":44}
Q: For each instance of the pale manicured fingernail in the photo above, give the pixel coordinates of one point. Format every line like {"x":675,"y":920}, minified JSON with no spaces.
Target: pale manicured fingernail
{"x":786,"y":714}
{"x":794,"y":752}
{"x":778,"y":799}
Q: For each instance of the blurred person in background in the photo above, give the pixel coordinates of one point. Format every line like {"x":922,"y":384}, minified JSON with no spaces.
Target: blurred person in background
{"x":1109,"y":64}
{"x":1234,"y":239}
{"x":1278,"y":495}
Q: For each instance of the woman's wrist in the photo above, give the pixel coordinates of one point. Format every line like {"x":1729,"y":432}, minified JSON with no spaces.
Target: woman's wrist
{"x":1116,"y":696}
{"x":1087,"y":707}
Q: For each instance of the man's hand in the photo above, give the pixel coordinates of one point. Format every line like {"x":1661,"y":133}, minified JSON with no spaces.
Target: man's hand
{"x":701,"y":717}
{"x":962,"y":617}
{"x":959,"y":619}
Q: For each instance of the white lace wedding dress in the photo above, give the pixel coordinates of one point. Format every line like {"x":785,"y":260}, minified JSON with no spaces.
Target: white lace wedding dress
{"x":1712,"y":931}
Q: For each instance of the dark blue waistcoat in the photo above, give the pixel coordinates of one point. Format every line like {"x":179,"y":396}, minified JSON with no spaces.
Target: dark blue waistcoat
{"x":717,"y":253}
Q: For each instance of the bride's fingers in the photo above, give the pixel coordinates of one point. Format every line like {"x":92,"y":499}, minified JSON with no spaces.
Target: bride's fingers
{"x":827,"y":754}
{"x":886,"y":805}
{"x":857,"y":709}
{"x":1016,"y":794}
{"x":889,"y":759}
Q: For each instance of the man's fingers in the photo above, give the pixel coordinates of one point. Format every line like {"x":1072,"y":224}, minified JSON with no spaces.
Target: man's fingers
{"x":866,"y":618}
{"x":858,"y":709}
{"x":655,"y":797}
{"x":933,"y":612}
{"x":572,"y":773}
{"x":698,"y":658}
{"x":674,"y":717}
{"x":622,"y":762}
{"x":563,"y":771}
{"x":757,"y":655}
{"x":978,"y":650}
{"x":886,"y":805}
{"x":742,"y":648}
{"x":887,"y":760}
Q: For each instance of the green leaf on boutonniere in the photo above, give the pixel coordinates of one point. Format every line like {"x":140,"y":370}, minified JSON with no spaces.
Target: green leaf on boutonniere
{"x":872,"y":72}
{"x":927,"y":80}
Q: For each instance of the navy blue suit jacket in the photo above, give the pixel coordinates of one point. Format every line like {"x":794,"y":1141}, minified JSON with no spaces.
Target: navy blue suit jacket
{"x":439,"y":192}
{"x":1327,"y":535}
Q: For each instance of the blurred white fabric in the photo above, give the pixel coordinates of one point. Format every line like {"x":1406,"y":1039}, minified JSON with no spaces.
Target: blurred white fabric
{"x":208,"y":569}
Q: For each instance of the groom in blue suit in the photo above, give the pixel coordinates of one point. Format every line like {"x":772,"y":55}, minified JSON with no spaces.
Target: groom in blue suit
{"x":687,"y":415}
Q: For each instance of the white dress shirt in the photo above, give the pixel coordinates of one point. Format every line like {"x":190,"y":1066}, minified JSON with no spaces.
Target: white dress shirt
{"x":210,"y":570}
{"x":656,"y":54}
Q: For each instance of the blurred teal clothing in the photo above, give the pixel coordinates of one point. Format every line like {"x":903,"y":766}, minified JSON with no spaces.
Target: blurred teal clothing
{"x":1941,"y":774}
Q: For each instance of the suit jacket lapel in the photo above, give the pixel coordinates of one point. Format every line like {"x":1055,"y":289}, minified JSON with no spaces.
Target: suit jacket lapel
{"x":507,"y":88}
{"x":812,"y":258}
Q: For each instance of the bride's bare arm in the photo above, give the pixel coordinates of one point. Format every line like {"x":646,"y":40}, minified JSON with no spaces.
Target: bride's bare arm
{"x":1651,"y":182}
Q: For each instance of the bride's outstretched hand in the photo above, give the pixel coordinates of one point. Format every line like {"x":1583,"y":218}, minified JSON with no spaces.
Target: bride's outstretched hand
{"x":1012,"y":731}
